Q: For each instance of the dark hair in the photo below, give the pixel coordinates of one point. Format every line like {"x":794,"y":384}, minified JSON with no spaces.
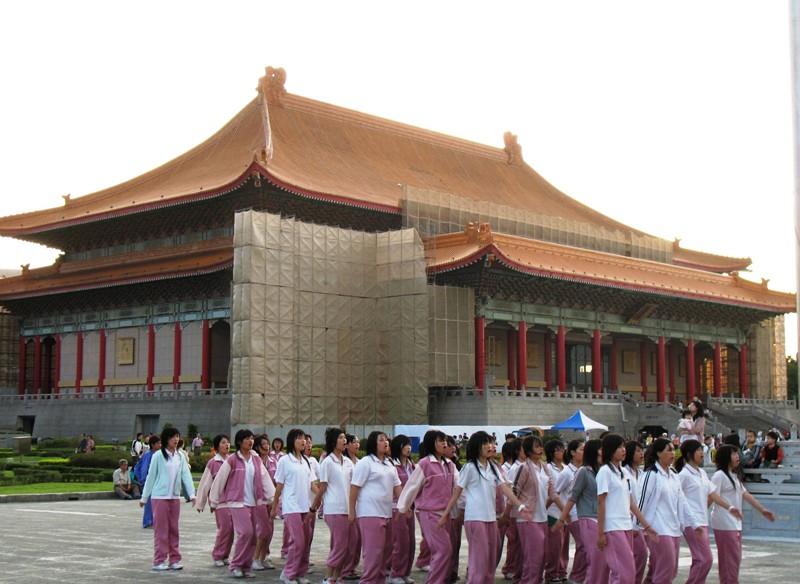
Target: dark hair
{"x":701,"y":411}
{"x":218,"y":440}
{"x":154,"y":439}
{"x":551,"y":447}
{"x":398,"y":443}
{"x":774,"y":435}
{"x":630,"y":451}
{"x":529,"y":443}
{"x":571,"y":447}
{"x":241,"y":436}
{"x":723,"y":459}
{"x":609,"y":445}
{"x":331,"y":438}
{"x":259,"y":439}
{"x":428,"y":446}
{"x":732,"y":439}
{"x":280,"y":441}
{"x":372,"y":441}
{"x":688,"y":448}
{"x":651,"y":456}
{"x":591,"y":451}
{"x":293,"y":435}
{"x":350,"y":438}
{"x":474,"y":445}
{"x":167,"y":434}
{"x":510,"y":451}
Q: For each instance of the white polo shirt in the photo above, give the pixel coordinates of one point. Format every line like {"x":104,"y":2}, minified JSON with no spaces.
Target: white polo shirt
{"x":480,"y":486}
{"x":697,"y":487}
{"x":296,"y":477}
{"x":734,"y":494}
{"x":564,"y":484}
{"x":337,"y":475}
{"x":377,"y":479}
{"x":616,"y":486}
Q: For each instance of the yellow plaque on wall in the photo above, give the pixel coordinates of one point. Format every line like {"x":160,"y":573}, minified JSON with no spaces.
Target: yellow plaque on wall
{"x":629,"y":361}
{"x":532,"y":355}
{"x":125,"y":347}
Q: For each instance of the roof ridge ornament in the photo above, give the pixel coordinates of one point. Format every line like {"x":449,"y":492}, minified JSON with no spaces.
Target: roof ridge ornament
{"x":271,"y":85}
{"x":513,"y":149}
{"x":271,"y":91}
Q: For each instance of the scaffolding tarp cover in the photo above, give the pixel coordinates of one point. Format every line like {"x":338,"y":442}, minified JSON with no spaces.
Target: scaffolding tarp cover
{"x":330,"y":325}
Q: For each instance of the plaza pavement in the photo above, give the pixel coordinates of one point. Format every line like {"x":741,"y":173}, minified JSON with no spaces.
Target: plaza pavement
{"x":101,"y":541}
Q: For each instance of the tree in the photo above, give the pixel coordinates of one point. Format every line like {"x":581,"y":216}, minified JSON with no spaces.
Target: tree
{"x":791,"y":378}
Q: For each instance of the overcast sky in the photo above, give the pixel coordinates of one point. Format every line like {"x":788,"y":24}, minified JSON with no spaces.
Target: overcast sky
{"x":673,"y":117}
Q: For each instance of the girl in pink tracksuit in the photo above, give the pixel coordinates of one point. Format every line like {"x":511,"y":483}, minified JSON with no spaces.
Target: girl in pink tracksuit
{"x":615,"y":504}
{"x":479,"y":480}
{"x":293,"y":479}
{"x":429,"y":488}
{"x":699,"y":492}
{"x":727,"y":528}
{"x":334,"y":490}
{"x":265,"y":526}
{"x":224,"y":539}
{"x":372,"y":489}
{"x":241,"y":484}
{"x":536,"y":489}
{"x":665,"y":509}
{"x":403,"y":537}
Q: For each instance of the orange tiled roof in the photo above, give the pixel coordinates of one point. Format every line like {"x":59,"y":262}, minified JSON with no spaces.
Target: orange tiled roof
{"x":453,"y":251}
{"x":325,"y":151}
{"x":146,"y":266}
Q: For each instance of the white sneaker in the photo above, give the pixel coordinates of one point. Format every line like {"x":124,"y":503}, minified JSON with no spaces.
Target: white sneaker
{"x":267,"y":564}
{"x":218,"y":563}
{"x":176,"y":566}
{"x":161,"y":567}
{"x":258,"y":566}
{"x":397,"y":580}
{"x":301,"y":580}
{"x":425,"y":569}
{"x":408,"y":580}
{"x":286,"y":580}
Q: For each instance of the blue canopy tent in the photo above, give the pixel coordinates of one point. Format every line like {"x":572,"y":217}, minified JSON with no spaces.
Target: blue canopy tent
{"x":579,"y":421}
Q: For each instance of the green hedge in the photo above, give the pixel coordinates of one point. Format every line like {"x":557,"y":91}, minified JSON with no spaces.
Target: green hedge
{"x":98,"y":459}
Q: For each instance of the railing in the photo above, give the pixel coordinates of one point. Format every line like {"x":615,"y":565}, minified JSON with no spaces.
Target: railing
{"x":750,"y":402}
{"x":118,"y":394}
{"x":531,"y":393}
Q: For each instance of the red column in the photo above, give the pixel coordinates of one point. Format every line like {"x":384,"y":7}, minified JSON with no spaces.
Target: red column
{"x":151,"y":356}
{"x":37,"y":364}
{"x":205,"y":376}
{"x":643,"y":368}
{"x":79,"y":362}
{"x":57,"y":366}
{"x":47,"y":380}
{"x":522,"y":355}
{"x":743,"y":370}
{"x":690,"y":387}
{"x":597,"y":364}
{"x":661,"y":367}
{"x":101,"y":368}
{"x":673,"y":396}
{"x":612,"y":365}
{"x":176,"y":374}
{"x":548,"y":360}
{"x":561,"y":359}
{"x":717,"y":369}
{"x":480,"y":352}
{"x":23,"y":364}
{"x":511,"y":357}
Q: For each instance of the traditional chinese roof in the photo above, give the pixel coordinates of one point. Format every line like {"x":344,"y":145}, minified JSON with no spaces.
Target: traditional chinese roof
{"x":446,"y":253}
{"x":326,"y":152}
{"x":138,"y":267}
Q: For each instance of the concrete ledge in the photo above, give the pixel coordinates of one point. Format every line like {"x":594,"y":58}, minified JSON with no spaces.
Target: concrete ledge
{"x":50,"y":497}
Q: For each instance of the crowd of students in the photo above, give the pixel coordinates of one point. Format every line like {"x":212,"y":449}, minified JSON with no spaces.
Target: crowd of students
{"x":625,"y":508}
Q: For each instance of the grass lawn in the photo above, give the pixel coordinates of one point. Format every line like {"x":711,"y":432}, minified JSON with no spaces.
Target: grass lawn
{"x":37,"y":488}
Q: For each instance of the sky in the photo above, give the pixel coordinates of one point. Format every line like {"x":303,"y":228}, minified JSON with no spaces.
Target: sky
{"x":674,"y":117}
